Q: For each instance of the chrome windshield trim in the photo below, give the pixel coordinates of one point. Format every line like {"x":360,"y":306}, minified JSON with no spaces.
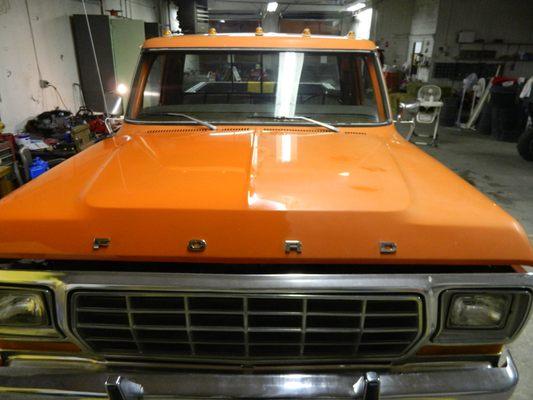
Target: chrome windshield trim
{"x":266,"y":123}
{"x":383,"y":87}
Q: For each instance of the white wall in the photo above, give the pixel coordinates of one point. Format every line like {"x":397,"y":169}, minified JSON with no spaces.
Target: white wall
{"x":510,"y":21}
{"x":425,"y":17}
{"x":146,"y":10}
{"x":168,"y":15}
{"x":400,"y":23}
{"x":437,"y":23}
{"x":392,"y":26}
{"x":363,"y":23}
{"x":21,"y":98}
{"x":424,"y":26}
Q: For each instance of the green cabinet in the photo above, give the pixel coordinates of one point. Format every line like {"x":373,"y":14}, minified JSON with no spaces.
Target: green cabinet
{"x":117,"y":42}
{"x":127,"y":36}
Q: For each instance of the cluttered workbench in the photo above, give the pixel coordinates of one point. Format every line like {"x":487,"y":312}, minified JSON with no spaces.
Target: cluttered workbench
{"x":47,"y":140}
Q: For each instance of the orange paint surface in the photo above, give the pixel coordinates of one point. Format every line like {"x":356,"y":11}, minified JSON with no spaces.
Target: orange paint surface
{"x":247,"y":189}
{"x":152,"y":189}
{"x":269,"y":41}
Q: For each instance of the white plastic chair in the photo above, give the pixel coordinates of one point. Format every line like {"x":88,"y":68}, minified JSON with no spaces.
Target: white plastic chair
{"x":429,"y":112}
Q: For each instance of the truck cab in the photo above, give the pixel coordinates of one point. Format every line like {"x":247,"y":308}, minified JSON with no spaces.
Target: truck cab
{"x":258,"y":229}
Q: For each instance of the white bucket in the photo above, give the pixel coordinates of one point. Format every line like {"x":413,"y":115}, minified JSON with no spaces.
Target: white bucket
{"x":23,"y":140}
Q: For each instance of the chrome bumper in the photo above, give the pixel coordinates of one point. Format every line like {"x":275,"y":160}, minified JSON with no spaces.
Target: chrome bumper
{"x":28,"y":379}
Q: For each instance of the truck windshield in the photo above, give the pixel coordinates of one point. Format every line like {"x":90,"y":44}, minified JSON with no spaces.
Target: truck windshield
{"x":340,"y":88}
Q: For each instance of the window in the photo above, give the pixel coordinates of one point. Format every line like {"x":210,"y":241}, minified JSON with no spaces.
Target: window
{"x":255,"y":87}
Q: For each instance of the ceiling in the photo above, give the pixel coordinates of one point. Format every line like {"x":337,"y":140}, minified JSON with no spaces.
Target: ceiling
{"x":255,"y":9}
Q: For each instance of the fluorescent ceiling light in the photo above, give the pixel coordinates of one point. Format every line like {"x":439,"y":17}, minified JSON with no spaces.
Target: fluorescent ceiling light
{"x":356,"y":6}
{"x":272,"y":6}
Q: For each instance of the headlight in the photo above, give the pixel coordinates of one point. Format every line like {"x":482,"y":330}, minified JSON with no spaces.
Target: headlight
{"x":481,"y":316}
{"x":487,"y":311}
{"x":22,"y":309}
{"x":26,"y":312}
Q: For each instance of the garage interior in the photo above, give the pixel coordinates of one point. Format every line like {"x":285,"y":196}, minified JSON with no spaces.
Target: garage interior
{"x":468,"y":63}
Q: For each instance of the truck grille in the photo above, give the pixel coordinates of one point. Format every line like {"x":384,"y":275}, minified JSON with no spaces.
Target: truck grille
{"x":247,"y":327}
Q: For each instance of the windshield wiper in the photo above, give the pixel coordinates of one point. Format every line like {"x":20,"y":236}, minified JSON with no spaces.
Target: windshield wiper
{"x":314,"y":121}
{"x":300,"y":117}
{"x":198,"y":121}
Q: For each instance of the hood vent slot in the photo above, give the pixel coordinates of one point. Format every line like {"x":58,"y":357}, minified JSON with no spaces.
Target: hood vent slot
{"x":307,"y":131}
{"x":190,"y":131}
{"x":296,"y":131}
{"x":354,"y":133}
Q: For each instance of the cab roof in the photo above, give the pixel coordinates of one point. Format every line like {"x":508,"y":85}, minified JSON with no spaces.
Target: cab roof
{"x":267,"y":41}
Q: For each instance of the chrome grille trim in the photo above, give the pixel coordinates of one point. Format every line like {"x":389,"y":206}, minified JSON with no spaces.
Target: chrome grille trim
{"x":249,"y":328}
{"x":430,"y":286}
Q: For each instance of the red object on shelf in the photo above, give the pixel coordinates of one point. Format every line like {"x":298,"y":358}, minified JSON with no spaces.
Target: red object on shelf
{"x":498,"y":80}
{"x":97,"y":125}
{"x":114,"y":13}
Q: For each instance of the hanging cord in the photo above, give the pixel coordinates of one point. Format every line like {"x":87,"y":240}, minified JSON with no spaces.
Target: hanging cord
{"x":33,"y":41}
{"x":34,"y":49}
{"x":95,"y":57}
{"x":58,"y":95}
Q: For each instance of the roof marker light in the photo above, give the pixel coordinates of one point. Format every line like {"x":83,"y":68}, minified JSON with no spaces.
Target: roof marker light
{"x":272,"y":6}
{"x":259,"y":31}
{"x":212,"y":32}
{"x":306,"y":32}
{"x":351,"y":35}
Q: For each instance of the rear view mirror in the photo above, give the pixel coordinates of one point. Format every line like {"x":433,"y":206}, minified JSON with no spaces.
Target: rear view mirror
{"x":408,"y":110}
{"x":113,"y":124}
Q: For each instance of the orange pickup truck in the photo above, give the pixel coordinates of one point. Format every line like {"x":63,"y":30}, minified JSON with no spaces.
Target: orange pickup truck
{"x":258,"y":229}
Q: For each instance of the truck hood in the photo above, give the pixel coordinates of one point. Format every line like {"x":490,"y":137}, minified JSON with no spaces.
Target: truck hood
{"x":245,"y":191}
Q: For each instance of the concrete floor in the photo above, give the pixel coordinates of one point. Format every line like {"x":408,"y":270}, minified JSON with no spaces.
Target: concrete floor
{"x":496,"y":169}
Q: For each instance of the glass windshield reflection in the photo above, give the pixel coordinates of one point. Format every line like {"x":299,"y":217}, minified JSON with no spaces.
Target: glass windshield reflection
{"x":240,"y":87}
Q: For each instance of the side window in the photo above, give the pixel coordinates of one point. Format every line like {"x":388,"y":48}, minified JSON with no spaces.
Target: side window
{"x":191,"y":71}
{"x":320,"y":80}
{"x":230,"y":78}
{"x":207,"y":77}
{"x":321,"y":69}
{"x":210,"y":67}
{"x":247,"y":67}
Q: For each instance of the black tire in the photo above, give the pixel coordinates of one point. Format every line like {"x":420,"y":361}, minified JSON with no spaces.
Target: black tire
{"x":525,"y":145}
{"x":449,"y":111}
